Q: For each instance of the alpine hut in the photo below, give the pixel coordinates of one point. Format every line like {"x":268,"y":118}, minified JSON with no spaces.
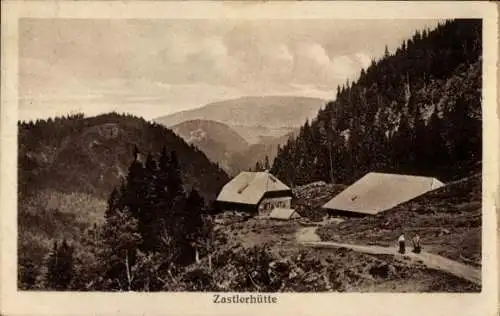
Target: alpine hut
{"x":254,"y":192}
{"x":377,"y":192}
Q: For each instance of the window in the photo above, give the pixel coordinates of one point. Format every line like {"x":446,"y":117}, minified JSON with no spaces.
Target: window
{"x":242,"y":188}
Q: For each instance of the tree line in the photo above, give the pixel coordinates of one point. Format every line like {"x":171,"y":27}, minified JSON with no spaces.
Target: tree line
{"x":416,"y":111}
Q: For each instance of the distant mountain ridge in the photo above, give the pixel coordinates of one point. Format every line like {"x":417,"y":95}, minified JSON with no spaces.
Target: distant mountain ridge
{"x":256,"y":114}
{"x":239,"y":132}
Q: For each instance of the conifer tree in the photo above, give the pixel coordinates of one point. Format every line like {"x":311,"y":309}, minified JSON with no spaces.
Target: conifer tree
{"x":162,"y":183}
{"x":51,"y":278}
{"x":418,"y":142}
{"x":66,"y":264}
{"x":436,"y":153}
{"x":175,"y":185}
{"x":401,"y":156}
{"x":121,"y":242}
{"x":258,"y":167}
{"x":28,"y":273}
{"x":266,"y":163}
{"x":60,"y":266}
{"x":149,"y":219}
{"x":112,"y":202}
{"x":193,"y":221}
{"x":135,"y":192}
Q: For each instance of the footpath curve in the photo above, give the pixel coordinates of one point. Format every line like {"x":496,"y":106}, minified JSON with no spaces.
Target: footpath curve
{"x":307,"y":236}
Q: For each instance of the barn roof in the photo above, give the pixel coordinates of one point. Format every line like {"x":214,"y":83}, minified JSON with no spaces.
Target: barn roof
{"x":377,"y":192}
{"x":283,"y":213}
{"x":250,"y":187}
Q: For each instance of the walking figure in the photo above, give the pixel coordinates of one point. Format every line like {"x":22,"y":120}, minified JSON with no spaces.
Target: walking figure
{"x":401,"y":241}
{"x":416,"y":244}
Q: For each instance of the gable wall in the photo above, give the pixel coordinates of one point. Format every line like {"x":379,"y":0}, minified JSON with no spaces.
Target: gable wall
{"x":268,"y":203}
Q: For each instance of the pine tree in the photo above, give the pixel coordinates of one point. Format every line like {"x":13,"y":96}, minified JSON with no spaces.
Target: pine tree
{"x":175,"y":185}
{"x":402,"y":158}
{"x":28,"y":273}
{"x":60,"y":266}
{"x":52,"y":277}
{"x":258,"y":167}
{"x":112,"y":202}
{"x":149,"y":218}
{"x":162,"y":183}
{"x":266,"y":163}
{"x":121,"y":242}
{"x":192,"y":221}
{"x":386,"y":52}
{"x":436,"y":153}
{"x":66,"y":264}
{"x":135,"y":192}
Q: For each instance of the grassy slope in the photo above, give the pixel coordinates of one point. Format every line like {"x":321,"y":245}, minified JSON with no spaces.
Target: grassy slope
{"x":448,"y":221}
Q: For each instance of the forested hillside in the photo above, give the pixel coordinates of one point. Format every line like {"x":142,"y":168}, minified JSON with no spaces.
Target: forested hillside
{"x":75,"y":172}
{"x":415,"y":111}
{"x":91,"y":155}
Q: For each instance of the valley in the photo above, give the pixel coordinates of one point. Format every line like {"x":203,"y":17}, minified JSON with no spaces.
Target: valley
{"x":234,"y":148}
{"x":264,"y":123}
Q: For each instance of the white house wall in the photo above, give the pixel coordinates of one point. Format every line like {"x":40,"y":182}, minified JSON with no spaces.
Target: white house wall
{"x":267,"y":204}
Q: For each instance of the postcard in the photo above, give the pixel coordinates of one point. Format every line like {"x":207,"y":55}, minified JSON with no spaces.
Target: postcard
{"x":227,"y":158}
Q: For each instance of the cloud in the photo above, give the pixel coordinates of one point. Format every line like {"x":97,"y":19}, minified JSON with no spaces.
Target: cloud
{"x":345,"y":66}
{"x":318,"y":55}
{"x":363,"y":59}
{"x":159,"y":66}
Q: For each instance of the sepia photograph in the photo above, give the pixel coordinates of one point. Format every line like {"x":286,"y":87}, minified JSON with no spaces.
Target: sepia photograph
{"x":250,"y":157}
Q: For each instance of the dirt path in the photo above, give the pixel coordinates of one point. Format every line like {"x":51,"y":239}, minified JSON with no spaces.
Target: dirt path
{"x":307,"y":236}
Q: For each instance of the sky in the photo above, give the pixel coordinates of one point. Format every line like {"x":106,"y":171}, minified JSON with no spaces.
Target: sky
{"x":156,"y":67}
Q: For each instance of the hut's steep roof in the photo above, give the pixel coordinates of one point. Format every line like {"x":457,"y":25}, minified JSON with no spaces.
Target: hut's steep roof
{"x":249,"y":187}
{"x":376,"y":192}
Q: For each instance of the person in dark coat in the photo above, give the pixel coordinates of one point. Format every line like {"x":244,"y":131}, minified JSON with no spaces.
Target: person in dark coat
{"x":416,"y":244}
{"x":401,"y":241}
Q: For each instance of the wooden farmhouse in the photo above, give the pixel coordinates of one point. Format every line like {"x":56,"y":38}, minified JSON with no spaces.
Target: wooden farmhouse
{"x":254,"y":192}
